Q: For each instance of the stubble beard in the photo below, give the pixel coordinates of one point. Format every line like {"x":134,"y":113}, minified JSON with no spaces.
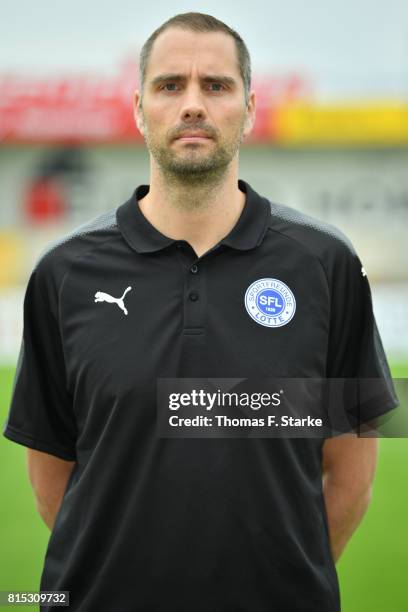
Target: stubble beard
{"x":190,"y":166}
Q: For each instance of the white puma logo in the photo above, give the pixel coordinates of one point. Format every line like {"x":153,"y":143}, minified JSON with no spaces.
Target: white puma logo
{"x":100,"y":296}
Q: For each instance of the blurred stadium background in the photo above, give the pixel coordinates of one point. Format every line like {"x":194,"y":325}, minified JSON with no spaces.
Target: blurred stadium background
{"x":332,"y":144}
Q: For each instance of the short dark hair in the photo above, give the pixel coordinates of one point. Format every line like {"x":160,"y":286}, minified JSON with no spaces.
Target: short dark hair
{"x":199,"y":22}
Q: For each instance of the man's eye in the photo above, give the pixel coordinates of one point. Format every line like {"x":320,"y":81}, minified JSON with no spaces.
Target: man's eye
{"x":171,"y":85}
{"x":217,"y":85}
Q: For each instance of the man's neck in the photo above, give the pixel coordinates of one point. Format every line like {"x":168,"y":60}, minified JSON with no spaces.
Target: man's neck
{"x":201,"y":214}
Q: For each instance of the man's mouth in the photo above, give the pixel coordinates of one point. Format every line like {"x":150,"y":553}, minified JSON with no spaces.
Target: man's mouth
{"x":193,"y":137}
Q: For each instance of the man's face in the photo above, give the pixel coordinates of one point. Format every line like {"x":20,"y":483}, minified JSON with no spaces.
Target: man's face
{"x":193,"y":87}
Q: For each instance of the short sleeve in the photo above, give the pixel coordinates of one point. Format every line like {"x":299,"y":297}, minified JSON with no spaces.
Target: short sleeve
{"x":355,"y":351}
{"x":41,"y":411}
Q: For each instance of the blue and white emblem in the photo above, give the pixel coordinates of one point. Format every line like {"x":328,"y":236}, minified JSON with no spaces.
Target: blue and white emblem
{"x":270,"y":302}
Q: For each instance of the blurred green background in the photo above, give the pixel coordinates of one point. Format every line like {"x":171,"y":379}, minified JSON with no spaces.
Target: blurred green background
{"x":371,"y":569}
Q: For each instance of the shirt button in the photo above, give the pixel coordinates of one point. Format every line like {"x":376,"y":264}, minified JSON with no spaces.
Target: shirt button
{"x":194,"y":269}
{"x":193,"y":296}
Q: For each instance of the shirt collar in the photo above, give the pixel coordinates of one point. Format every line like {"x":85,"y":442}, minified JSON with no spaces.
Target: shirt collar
{"x":143,"y":237}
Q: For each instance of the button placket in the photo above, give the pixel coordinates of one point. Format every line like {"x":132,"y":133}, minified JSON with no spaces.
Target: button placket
{"x":194,"y":283}
{"x":194,"y":297}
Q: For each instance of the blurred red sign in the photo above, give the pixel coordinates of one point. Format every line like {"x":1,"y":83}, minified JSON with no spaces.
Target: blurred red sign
{"x":90,"y":108}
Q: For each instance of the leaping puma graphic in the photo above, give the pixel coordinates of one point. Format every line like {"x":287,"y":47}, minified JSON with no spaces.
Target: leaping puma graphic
{"x":100,"y":296}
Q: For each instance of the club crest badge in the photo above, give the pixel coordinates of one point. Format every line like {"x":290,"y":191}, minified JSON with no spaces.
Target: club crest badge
{"x":270,"y":302}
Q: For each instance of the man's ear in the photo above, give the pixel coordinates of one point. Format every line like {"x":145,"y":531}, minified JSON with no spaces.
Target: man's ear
{"x":137,"y":111}
{"x":250,"y":115}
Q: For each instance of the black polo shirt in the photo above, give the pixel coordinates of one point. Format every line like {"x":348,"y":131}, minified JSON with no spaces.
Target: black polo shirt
{"x":188,"y":524}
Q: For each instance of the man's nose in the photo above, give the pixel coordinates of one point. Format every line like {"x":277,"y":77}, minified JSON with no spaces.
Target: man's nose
{"x":193,"y":105}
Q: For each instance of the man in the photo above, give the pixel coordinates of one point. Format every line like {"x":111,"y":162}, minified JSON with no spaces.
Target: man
{"x":169,"y":286}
